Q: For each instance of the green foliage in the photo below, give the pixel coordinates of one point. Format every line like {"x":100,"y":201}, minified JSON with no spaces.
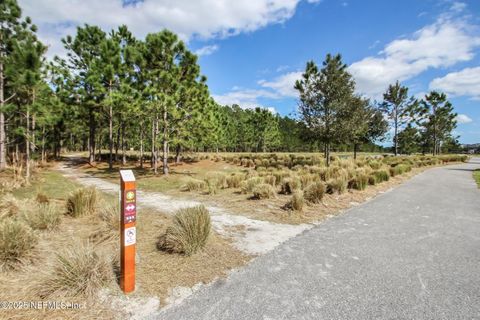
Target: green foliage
{"x":476,"y":176}
{"x":189,"y":231}
{"x":82,"y":202}
{"x":381,"y":175}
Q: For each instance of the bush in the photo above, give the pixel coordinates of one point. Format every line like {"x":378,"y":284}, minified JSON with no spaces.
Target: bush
{"x":77,"y":271}
{"x":400,"y":169}
{"x":189,"y":231}
{"x":314,"y":192}
{"x":263,"y":191}
{"x":17,"y":241}
{"x":82,"y":202}
{"x":289,"y":185}
{"x":271,"y":180}
{"x":297,"y":201}
{"x":372,"y":180}
{"x":194,"y":185}
{"x":45,"y":216}
{"x":381,"y":175}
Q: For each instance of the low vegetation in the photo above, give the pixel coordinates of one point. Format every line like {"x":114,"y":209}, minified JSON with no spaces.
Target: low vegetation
{"x":476,"y":176}
{"x":82,"y":202}
{"x":189,"y":231}
{"x":43,"y":216}
{"x":17,"y":243}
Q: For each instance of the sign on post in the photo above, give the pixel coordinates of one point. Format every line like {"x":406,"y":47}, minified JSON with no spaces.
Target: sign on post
{"x":128,"y":232}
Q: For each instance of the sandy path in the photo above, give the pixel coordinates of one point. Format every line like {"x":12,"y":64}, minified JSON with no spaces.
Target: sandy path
{"x":249,"y":235}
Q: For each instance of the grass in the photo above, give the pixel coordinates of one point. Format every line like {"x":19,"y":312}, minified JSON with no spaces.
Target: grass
{"x":17,"y":242}
{"x":476,"y":176}
{"x":82,"y":202}
{"x":44,"y":216}
{"x":297,"y":201}
{"x":264,"y":191}
{"x":48,"y":183}
{"x":77,"y":271}
{"x":315,"y":192}
{"x":189,"y":231}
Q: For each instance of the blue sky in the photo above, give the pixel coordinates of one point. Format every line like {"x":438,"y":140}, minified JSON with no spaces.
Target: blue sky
{"x":252,"y":51}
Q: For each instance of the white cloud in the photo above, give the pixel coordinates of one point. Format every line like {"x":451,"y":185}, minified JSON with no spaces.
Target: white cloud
{"x":463,"y":118}
{"x":442,"y":44}
{"x":458,"y":6}
{"x":246,"y":98}
{"x":462,"y":83}
{"x":283,"y":85}
{"x":202,"y":18}
{"x":207,"y":50}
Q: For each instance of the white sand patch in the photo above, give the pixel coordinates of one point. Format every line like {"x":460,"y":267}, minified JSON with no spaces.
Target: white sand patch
{"x":249,"y":235}
{"x":258,"y":237}
{"x":135,"y":308}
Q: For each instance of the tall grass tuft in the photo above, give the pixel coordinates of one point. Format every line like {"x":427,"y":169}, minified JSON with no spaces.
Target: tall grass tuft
{"x":17,"y":242}
{"x":77,"y":271}
{"x":289,"y":185}
{"x":45,"y":216}
{"x":189,"y":231}
{"x":381,"y":175}
{"x":248,"y":185}
{"x":82,"y":202}
{"x":194,"y":185}
{"x":9,"y":206}
{"x":263,"y":191}
{"x":298,"y":201}
{"x":234,"y":180}
{"x":314,"y":192}
{"x":337,"y":185}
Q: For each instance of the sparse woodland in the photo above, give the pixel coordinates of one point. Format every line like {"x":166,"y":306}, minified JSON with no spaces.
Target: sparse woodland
{"x":114,"y":92}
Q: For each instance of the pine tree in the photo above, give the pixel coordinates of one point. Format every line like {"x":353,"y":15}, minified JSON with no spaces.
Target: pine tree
{"x":324,"y":94}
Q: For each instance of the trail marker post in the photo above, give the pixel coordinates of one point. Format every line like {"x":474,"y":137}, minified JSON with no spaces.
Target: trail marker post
{"x":128,"y":232}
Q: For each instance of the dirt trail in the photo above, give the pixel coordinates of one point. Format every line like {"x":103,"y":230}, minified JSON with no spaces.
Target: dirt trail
{"x":249,"y":235}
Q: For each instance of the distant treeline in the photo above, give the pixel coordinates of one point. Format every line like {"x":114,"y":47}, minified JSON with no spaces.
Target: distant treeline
{"x":116,"y":92}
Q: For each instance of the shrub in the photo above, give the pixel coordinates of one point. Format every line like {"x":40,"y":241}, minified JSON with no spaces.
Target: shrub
{"x":314,"y":192}
{"x":337,"y":185}
{"x":217,"y":179}
{"x":289,"y":185}
{"x":381,"y":175}
{"x":17,"y":241}
{"x":194,"y":185}
{"x":297,"y":201}
{"x":248,"y":185}
{"x":189,"y":231}
{"x":45,"y":216}
{"x":400,"y":169}
{"x":82,"y":202}
{"x":77,"y":271}
{"x":372,"y":180}
{"x":263,"y":191}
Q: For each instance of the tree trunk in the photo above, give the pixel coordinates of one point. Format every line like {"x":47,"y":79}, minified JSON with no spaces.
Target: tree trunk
{"x":43,"y":144}
{"x":33,"y":144}
{"x":117,"y":144}
{"x":141,"y":145}
{"x":91,"y":146}
{"x":177,"y":153}
{"x":110,"y":135}
{"x":27,"y":147}
{"x":327,"y":153}
{"x":152,"y":158}
{"x":165,"y":143}
{"x":395,"y":137}
{"x":3,"y":145}
{"x":355,"y":149}
{"x":124,"y":155}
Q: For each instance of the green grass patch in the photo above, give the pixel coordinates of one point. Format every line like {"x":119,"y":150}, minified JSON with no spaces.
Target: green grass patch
{"x":49,"y":183}
{"x":476,"y":176}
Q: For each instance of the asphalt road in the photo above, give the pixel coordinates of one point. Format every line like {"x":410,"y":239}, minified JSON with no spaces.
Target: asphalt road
{"x":411,"y":253}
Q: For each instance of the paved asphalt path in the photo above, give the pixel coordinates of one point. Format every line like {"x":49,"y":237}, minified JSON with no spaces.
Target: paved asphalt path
{"x":411,"y":253}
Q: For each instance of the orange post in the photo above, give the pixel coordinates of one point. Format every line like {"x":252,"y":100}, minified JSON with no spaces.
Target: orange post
{"x":128,"y":216}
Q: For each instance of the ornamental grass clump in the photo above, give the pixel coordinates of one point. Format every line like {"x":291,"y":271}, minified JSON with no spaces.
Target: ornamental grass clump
{"x":248,"y":185}
{"x":381,"y":175}
{"x":189,"y":231}
{"x":82,"y":202}
{"x":194,"y":185}
{"x":17,"y":243}
{"x":44,"y":216}
{"x":337,"y":185}
{"x":264,"y":191}
{"x":289,"y":185}
{"x":314,"y":192}
{"x":298,"y":201}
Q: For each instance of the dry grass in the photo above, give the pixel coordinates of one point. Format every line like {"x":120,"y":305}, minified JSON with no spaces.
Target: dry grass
{"x":9,"y":206}
{"x":264,"y":191}
{"x":82,"y":202}
{"x":194,"y":185}
{"x":189,"y":231}
{"x":44,"y":216}
{"x":298,"y":201}
{"x":77,"y":271}
{"x":314,"y":192}
{"x":17,"y":243}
